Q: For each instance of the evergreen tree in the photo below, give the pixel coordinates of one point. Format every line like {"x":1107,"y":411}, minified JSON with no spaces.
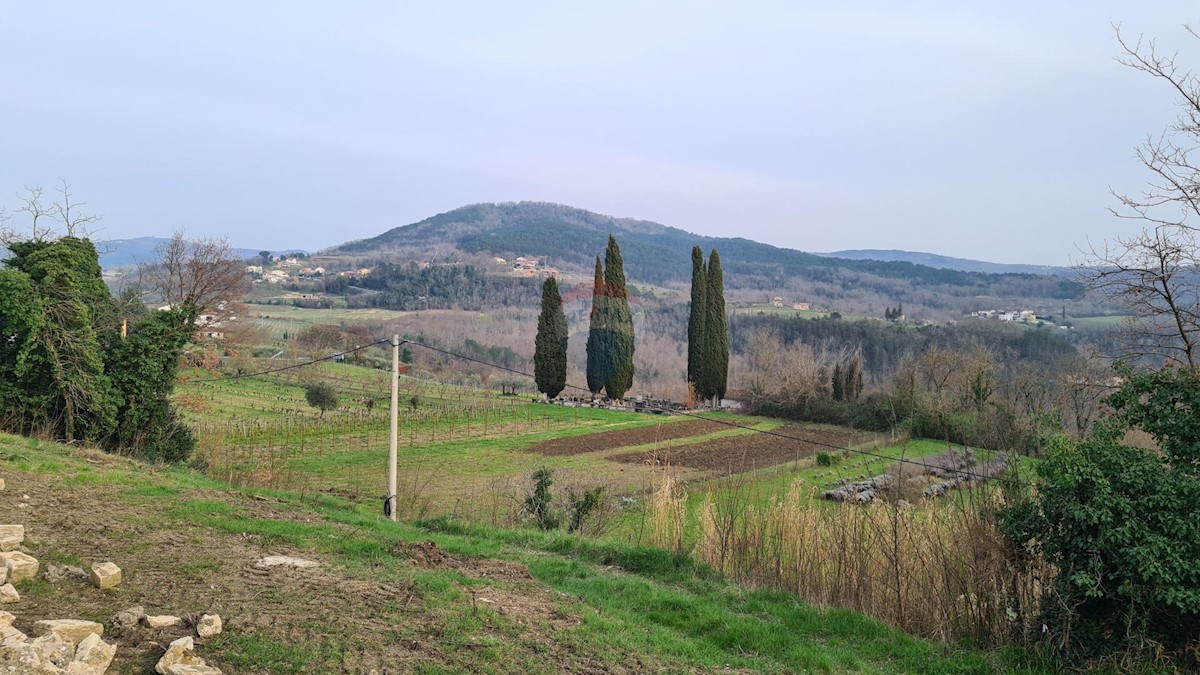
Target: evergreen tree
{"x":597,"y":371}
{"x":619,"y":343}
{"x":837,"y":382}
{"x":716,"y":333}
{"x":550,"y":346}
{"x":696,"y":319}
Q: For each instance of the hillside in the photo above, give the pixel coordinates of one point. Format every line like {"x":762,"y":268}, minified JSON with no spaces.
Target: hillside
{"x":947,"y":262}
{"x":385,"y":597}
{"x":659,"y":254}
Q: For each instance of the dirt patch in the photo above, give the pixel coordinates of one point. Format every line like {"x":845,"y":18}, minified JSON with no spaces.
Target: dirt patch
{"x":622,"y":438}
{"x":746,"y":452}
{"x":336,"y":619}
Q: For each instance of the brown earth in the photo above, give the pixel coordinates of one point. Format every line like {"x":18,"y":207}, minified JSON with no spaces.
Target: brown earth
{"x":357,"y":621}
{"x":621,"y":438}
{"x":746,"y":452}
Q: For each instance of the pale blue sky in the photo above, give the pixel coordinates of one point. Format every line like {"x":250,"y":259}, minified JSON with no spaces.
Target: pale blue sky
{"x":982,"y":130}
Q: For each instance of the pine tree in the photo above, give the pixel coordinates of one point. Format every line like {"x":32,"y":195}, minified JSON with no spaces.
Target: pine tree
{"x":839,"y":391}
{"x":696,"y":320}
{"x":596,"y":369}
{"x":619,"y":343}
{"x":716,"y":334}
{"x":550,"y":346}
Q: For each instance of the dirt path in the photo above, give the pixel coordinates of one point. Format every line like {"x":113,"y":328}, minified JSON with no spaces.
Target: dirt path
{"x":746,"y":452}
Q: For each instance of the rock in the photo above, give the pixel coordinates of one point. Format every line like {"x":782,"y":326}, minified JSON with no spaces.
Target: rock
{"x":70,"y":630}
{"x":92,"y":657}
{"x":105,"y":575}
{"x":54,"y":649}
{"x":162,"y":621}
{"x":9,"y":594}
{"x":21,"y":566}
{"x":54,"y":572}
{"x":7,"y":619}
{"x":1,"y":483}
{"x":208,"y":626}
{"x":179,"y":653}
{"x":285,"y":561}
{"x":10,"y":635}
{"x":11,"y":537}
{"x":128,"y":618}
{"x":19,"y":657}
{"x":203,"y":669}
{"x":3,"y":573}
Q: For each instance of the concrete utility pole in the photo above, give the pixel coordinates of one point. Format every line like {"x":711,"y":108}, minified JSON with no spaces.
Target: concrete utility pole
{"x":395,"y":427}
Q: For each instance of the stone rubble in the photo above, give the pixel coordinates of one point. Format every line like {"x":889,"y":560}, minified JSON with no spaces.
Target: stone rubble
{"x":63,"y":647}
{"x":128,"y":618}
{"x":11,"y":537}
{"x":285,"y":561}
{"x":9,"y":594}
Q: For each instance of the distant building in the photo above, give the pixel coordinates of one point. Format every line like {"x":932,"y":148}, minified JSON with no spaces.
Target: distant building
{"x":777,"y":301}
{"x":802,"y":306}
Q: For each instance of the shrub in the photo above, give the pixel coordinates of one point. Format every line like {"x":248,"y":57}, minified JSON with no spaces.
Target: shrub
{"x":321,"y":395}
{"x":538,"y":501}
{"x":1122,"y":523}
{"x":581,"y":505}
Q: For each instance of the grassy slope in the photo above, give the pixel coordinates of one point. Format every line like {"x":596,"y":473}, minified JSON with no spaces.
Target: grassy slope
{"x":604,"y":605}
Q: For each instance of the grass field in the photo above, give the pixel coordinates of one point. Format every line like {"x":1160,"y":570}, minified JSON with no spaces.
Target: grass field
{"x":1110,"y":321}
{"x":434,"y":597}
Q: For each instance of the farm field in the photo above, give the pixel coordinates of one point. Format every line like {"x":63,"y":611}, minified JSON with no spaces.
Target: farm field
{"x":465,"y":451}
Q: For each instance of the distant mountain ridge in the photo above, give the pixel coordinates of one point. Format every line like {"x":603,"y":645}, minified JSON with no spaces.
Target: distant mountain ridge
{"x":124,"y":252}
{"x":656,"y":253}
{"x":947,"y":262}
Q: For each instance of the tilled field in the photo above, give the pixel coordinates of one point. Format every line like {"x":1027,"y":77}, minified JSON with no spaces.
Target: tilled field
{"x":746,"y":452}
{"x":623,"y":438}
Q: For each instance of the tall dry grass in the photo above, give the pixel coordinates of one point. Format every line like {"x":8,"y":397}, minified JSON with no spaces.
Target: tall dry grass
{"x":939,"y":569}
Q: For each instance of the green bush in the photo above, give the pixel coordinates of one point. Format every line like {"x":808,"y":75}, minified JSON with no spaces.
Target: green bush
{"x":1122,"y":524}
{"x":321,"y":395}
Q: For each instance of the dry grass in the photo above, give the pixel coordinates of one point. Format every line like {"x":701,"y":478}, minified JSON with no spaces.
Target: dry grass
{"x":938,"y":569}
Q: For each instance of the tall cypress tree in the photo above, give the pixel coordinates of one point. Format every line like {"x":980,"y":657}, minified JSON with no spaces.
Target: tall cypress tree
{"x":550,"y":346}
{"x":619,"y":341}
{"x":596,"y":369}
{"x":696,"y":319}
{"x":716,"y":334}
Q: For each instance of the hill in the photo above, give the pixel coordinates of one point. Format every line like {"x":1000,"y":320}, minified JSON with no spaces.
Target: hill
{"x":658,"y":254}
{"x":947,"y":262}
{"x":431,"y":597}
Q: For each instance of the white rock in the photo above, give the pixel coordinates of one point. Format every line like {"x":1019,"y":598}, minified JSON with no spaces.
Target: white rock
{"x":162,"y":621}
{"x":21,"y":566}
{"x":10,"y":635}
{"x":285,"y":561}
{"x":201,"y":669}
{"x":71,"y":630}
{"x":3,"y":573}
{"x":6,"y":619}
{"x":11,"y":537}
{"x":179,"y":653}
{"x":105,"y":575}
{"x":128,"y":618}
{"x":9,"y":594}
{"x":92,"y":656}
{"x":19,"y":657}
{"x":1,"y":483}
{"x":208,"y":626}
{"x":54,"y":649}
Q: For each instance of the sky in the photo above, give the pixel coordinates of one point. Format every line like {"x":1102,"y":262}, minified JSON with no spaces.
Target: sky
{"x":974,"y":129}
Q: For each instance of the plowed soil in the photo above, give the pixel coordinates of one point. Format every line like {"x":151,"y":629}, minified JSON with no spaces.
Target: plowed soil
{"x":623,"y":438}
{"x":736,"y":454}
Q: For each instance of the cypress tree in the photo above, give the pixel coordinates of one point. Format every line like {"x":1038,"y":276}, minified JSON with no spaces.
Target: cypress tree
{"x":550,"y":346}
{"x":619,"y":340}
{"x":716,"y":334}
{"x":696,"y":320}
{"x":596,"y":371}
{"x":837,"y":381}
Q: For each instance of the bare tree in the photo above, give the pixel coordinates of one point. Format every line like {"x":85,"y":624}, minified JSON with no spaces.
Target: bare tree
{"x":1155,"y":274}
{"x":204,"y":274}
{"x":43,"y":215}
{"x":66,"y":212}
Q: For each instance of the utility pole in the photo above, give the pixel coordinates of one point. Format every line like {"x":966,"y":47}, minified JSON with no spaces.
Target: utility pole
{"x":395,"y":428}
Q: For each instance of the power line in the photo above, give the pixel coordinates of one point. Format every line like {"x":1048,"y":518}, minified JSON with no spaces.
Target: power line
{"x":239,"y":376}
{"x":733,"y":424}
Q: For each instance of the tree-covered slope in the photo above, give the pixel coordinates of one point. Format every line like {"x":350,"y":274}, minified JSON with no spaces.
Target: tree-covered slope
{"x":659,"y":254}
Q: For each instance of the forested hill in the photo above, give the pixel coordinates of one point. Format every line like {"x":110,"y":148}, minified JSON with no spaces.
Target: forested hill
{"x":659,"y":254}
